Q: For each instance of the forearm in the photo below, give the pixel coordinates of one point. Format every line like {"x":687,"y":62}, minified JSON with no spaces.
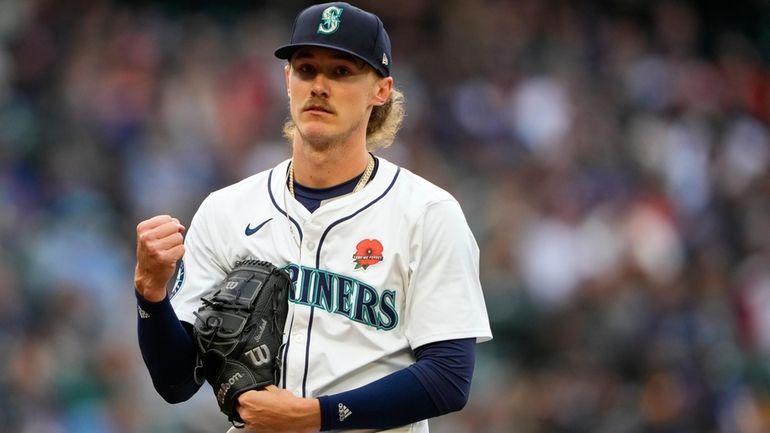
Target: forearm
{"x":438,"y":383}
{"x":395,"y":400}
{"x":167,"y":350}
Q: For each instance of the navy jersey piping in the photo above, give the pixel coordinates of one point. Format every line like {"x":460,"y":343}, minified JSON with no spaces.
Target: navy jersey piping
{"x":284,"y":212}
{"x":318,"y":263}
{"x":286,"y":352}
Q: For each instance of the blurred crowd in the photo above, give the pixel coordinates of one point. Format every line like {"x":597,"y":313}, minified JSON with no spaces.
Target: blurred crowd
{"x":612,"y":158}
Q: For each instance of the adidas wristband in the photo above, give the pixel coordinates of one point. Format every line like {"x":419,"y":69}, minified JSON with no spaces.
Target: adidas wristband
{"x":395,"y":400}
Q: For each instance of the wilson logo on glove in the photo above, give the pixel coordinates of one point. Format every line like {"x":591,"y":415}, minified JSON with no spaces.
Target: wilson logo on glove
{"x":226,"y":387}
{"x":259,"y":355}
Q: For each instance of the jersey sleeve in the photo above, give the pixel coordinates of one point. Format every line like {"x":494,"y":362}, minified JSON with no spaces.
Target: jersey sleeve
{"x":444,"y":300}
{"x":202,"y":266}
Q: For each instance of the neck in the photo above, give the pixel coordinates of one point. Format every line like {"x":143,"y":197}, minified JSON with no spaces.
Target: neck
{"x":328,"y":167}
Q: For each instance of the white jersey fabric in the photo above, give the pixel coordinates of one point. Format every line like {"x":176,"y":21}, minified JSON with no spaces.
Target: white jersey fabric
{"x":376,"y":273}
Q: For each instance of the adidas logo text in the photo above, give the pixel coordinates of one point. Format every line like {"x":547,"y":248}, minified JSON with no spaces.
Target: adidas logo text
{"x":344,"y":412}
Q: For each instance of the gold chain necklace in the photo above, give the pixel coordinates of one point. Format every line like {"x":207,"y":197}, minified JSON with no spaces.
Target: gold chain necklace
{"x":359,"y":186}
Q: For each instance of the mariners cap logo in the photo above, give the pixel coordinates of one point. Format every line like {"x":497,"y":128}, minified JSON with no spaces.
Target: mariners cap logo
{"x":330,"y":20}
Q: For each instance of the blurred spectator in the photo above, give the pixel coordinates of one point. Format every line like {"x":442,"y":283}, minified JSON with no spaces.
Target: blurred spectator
{"x":613,"y":159}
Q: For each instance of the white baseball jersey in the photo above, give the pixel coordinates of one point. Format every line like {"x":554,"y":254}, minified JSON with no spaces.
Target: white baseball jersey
{"x":375,"y":273}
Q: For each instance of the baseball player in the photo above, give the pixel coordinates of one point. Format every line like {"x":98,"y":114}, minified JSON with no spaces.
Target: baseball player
{"x":386,"y":306}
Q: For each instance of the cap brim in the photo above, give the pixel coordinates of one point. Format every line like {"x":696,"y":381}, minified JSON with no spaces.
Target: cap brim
{"x":286,"y":51}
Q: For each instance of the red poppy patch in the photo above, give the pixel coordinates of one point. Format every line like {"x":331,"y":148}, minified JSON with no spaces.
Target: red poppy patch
{"x":368,"y":253}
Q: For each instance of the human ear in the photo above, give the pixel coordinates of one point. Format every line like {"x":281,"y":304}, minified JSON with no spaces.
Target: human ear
{"x":382,"y":91}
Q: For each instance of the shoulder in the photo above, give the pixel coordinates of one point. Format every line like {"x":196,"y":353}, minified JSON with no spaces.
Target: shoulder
{"x":417,"y":203}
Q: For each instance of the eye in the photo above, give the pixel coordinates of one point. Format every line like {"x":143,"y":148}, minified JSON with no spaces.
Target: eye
{"x":342,"y":71}
{"x":305,"y":70}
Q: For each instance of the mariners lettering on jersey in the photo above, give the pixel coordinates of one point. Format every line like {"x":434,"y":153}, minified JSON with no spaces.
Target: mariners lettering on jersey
{"x":343,"y":295}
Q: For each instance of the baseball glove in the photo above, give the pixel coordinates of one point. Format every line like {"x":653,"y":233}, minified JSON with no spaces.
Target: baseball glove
{"x":239,"y":333}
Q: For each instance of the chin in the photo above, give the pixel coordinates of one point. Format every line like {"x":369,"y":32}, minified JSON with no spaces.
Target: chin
{"x":315,"y":129}
{"x":316,"y":134}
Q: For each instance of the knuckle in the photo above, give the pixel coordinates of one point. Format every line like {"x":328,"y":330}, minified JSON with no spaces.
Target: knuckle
{"x":165,"y":257}
{"x":144,"y":237}
{"x":144,"y":226}
{"x":153,"y":253}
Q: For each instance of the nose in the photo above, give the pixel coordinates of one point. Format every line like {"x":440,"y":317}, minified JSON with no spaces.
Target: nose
{"x":320,"y":86}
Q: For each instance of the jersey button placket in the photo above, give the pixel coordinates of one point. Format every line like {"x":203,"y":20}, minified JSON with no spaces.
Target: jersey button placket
{"x":313,"y":230}
{"x":299,"y":339}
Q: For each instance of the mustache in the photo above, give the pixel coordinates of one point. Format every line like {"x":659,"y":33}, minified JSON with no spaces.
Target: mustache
{"x":317,"y":103}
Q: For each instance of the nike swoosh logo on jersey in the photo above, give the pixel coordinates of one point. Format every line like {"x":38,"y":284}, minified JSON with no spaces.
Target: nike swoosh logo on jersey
{"x":250,"y":231}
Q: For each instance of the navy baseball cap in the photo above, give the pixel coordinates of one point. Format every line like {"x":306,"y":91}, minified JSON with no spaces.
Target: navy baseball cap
{"x":342,"y":27}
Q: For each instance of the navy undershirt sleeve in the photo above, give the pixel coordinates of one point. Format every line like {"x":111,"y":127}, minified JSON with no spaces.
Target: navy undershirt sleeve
{"x":167,"y":349}
{"x":436,"y":384}
{"x":445,"y":369}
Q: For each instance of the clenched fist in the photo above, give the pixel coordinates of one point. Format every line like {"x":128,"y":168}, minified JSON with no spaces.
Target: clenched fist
{"x":277,"y":410}
{"x":159,"y":245}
